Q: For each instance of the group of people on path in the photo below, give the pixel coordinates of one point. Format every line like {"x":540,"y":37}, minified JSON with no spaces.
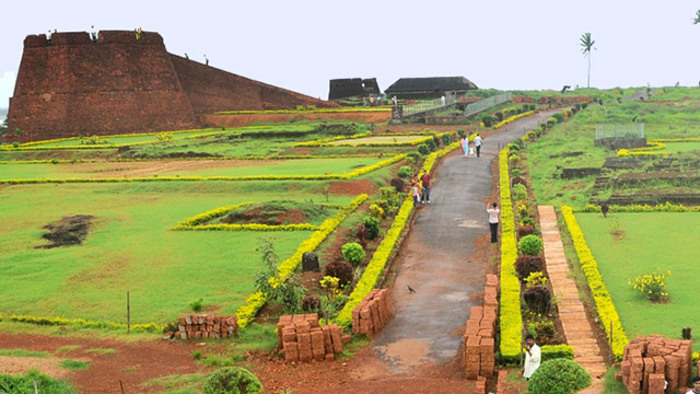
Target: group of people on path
{"x":466,"y":149}
{"x":420,"y":188}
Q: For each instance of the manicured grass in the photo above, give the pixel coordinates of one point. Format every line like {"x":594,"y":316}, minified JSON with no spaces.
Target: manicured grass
{"x":181,"y":168}
{"x":650,"y":241}
{"x":681,"y":147}
{"x":399,"y":139}
{"x":131,"y":248}
{"x":75,"y":365}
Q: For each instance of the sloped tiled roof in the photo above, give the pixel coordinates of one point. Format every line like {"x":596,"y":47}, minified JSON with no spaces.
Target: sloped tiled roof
{"x":432,"y":84}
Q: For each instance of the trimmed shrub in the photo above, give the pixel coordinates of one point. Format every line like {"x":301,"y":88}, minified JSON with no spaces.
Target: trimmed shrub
{"x":413,"y":155}
{"x":446,"y":139}
{"x":488,"y":120}
{"x":311,"y":304}
{"x":530,"y":245}
{"x":376,"y":211}
{"x":404,"y":172}
{"x":559,"y":376}
{"x":526,"y":230}
{"x":436,"y":140}
{"x":232,"y":380}
{"x":519,"y":192}
{"x":341,"y":270}
{"x":353,"y":253}
{"x":538,"y":299}
{"x":398,"y":184}
{"x":423,"y":149}
{"x":528,"y":221}
{"x":498,"y":115}
{"x":431,"y":144}
{"x":525,"y":265}
{"x":371,"y":225}
{"x":558,"y":116}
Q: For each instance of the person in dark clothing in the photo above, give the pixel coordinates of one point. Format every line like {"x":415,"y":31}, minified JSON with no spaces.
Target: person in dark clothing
{"x":425,"y":190}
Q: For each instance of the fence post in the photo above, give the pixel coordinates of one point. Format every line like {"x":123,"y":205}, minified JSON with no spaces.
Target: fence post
{"x":128,"y":313}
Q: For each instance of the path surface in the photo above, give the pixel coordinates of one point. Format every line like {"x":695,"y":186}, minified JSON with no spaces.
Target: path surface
{"x":577,"y":329}
{"x":429,"y":325}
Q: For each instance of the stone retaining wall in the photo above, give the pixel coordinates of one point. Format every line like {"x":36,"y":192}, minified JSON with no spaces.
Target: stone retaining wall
{"x":372,"y":314}
{"x":479,"y":357}
{"x":301,"y":338}
{"x":207,"y":326}
{"x":648,"y":362}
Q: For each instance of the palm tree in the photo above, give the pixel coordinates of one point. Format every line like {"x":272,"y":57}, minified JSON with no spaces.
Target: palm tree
{"x":697,"y":17}
{"x":586,"y":46}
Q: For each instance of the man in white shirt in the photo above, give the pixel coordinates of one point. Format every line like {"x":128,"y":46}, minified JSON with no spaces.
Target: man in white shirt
{"x":493,"y":220}
{"x":477,"y":144}
{"x":696,"y":386}
{"x":532,"y":357}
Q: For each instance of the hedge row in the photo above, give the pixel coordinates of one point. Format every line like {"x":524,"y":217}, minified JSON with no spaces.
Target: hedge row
{"x":59,"y":321}
{"x":375,"y":268}
{"x":649,"y":150}
{"x":349,"y":175}
{"x":207,"y":216}
{"x":667,"y":207}
{"x":510,"y":319}
{"x":604,"y":304}
{"x":307,"y":111}
{"x":512,"y":119}
{"x":247,"y":312}
{"x":433,"y":157}
{"x":556,"y":351}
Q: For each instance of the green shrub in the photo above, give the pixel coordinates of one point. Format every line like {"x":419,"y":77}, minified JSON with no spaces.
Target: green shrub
{"x":488,"y":120}
{"x":25,"y":384}
{"x":405,"y":172}
{"x":525,"y":265}
{"x":371,"y":225}
{"x":353,"y":253}
{"x":538,"y":299}
{"x":196,"y":305}
{"x":530,"y":245}
{"x":341,"y":270}
{"x":461,"y":133}
{"x":413,"y":155}
{"x":431,"y":144}
{"x":446,"y":139}
{"x":423,"y":149}
{"x":558,"y":116}
{"x":519,"y":192}
{"x":232,"y":380}
{"x":376,"y":211}
{"x":559,"y":376}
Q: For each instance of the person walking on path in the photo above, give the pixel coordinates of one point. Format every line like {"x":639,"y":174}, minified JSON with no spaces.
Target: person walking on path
{"x":425,"y":191}
{"x":493,"y":220}
{"x":465,"y":146}
{"x":414,"y":191}
{"x":477,"y":144}
{"x":532,"y":357}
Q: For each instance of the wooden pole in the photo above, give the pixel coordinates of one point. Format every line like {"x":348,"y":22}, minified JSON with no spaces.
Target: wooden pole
{"x":128,"y":315}
{"x":121,"y":386}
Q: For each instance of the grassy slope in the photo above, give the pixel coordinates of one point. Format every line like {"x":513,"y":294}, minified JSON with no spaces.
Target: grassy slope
{"x":131,"y":248}
{"x":651,"y":241}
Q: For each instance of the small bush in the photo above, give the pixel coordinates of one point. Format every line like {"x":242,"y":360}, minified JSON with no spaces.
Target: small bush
{"x":461,"y":133}
{"x":398,"y":184}
{"x":232,"y":380}
{"x":528,"y":221}
{"x":514,"y":159}
{"x":522,"y":208}
{"x":559,"y":376}
{"x":525,"y":265}
{"x":446,"y":139}
{"x":535,"y":279}
{"x":559,"y":117}
{"x":519,"y":192}
{"x":341,"y":270}
{"x":530,"y":245}
{"x":310,"y":304}
{"x":543,"y":330}
{"x":652,"y":286}
{"x":197,"y":354}
{"x":371,"y":225}
{"x":431,"y":144}
{"x":405,"y":172}
{"x":376,"y":211}
{"x":423,"y":149}
{"x":525,"y":230}
{"x":436,"y":141}
{"x":538,"y":299}
{"x":353,"y":253}
{"x":196,"y":305}
{"x":488,"y":120}
{"x":413,"y":155}
{"x":498,"y":115}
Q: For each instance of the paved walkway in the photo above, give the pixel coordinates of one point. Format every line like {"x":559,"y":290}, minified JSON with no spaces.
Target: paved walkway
{"x":429,"y":325}
{"x":577,"y":329}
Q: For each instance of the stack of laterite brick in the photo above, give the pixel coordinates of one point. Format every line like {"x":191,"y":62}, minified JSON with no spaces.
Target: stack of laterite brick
{"x":301,"y":338}
{"x":207,"y":326}
{"x":479,"y":348}
{"x":372,"y":314}
{"x":649,"y":362}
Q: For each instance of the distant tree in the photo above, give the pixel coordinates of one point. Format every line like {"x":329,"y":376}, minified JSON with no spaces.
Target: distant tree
{"x":586,"y":47}
{"x":697,"y":17}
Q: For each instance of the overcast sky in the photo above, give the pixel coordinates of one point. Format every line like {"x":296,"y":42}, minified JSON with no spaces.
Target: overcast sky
{"x":301,"y":45}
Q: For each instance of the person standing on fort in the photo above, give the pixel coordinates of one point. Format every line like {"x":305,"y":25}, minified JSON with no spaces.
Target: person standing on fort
{"x":425,"y":190}
{"x":494,"y":212}
{"x":477,"y":144}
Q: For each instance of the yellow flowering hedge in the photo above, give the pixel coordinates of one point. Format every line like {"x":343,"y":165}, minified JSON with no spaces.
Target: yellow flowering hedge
{"x":349,"y":175}
{"x":247,"y":312}
{"x":667,"y":207}
{"x":604,"y":304}
{"x":60,"y":321}
{"x":512,"y":119}
{"x":510,"y":319}
{"x":649,"y":150}
{"x":433,"y":157}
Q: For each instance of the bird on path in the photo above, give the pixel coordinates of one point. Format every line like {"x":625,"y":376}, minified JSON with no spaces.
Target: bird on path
{"x":410,"y":289}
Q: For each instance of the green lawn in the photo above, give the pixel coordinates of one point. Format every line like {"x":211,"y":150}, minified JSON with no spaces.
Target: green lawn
{"x":681,"y":147}
{"x":666,"y":241}
{"x":182,"y":168}
{"x":399,"y":139}
{"x":131,"y":248}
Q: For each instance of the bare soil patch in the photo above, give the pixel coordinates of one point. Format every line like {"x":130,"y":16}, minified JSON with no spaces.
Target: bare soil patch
{"x":352,"y":188}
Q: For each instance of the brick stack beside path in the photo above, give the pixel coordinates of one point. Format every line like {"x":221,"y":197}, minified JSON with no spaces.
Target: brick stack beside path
{"x":301,"y":338}
{"x":578,"y":331}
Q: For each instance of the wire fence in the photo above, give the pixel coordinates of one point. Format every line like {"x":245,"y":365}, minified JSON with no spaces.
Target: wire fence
{"x":429,"y":105}
{"x":482,"y":105}
{"x":632,"y":130}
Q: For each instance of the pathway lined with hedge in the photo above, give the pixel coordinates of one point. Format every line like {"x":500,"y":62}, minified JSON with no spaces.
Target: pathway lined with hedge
{"x":572,"y":314}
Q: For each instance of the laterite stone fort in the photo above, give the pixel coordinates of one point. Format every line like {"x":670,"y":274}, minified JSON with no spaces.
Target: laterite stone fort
{"x":72,"y":85}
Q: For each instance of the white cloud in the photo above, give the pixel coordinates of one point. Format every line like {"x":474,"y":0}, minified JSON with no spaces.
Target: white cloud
{"x":7,"y":86}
